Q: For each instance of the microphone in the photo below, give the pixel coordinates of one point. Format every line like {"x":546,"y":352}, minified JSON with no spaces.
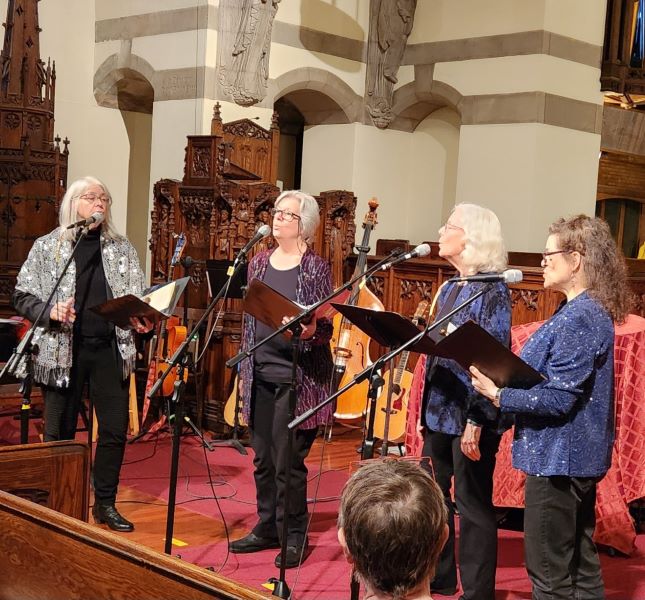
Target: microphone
{"x":262,"y":232}
{"x":508,"y":276}
{"x":420,"y":250}
{"x":97,"y":217}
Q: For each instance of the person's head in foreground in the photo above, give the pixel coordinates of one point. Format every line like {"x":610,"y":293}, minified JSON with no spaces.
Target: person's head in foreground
{"x":392,"y":527}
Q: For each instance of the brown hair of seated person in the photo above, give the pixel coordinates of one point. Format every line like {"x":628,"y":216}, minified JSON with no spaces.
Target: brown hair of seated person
{"x":392,"y":525}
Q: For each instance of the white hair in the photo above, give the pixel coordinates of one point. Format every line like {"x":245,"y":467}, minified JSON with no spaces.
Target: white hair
{"x":68,"y":212}
{"x":484,"y":246}
{"x":309,"y":212}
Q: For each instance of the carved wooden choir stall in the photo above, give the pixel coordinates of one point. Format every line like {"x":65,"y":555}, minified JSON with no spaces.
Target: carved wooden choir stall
{"x":33,"y":167}
{"x":227,"y":192}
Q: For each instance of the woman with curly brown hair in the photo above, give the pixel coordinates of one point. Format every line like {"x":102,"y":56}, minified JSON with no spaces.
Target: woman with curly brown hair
{"x":564,"y":426}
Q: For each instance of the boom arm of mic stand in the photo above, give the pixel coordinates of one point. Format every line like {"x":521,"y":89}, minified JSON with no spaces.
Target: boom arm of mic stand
{"x":181,"y":351}
{"x":302,"y":317}
{"x":382,"y":360}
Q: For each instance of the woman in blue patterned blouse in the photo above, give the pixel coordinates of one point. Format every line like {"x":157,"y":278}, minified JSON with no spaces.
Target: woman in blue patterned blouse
{"x":461,"y":429}
{"x":564,"y":427}
{"x":294,"y":270}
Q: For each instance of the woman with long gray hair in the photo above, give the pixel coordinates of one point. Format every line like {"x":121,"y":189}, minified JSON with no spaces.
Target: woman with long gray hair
{"x":77,"y":346}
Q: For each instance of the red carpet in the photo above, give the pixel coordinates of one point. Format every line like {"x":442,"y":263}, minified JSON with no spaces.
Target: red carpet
{"x":325,"y":574}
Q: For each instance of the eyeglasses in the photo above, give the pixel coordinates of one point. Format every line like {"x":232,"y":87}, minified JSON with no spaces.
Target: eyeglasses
{"x":546,"y":255}
{"x":285,"y":215}
{"x":92,"y":198}
{"x":448,"y":226}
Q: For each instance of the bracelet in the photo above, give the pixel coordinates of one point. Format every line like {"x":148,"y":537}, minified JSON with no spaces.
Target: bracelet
{"x":498,"y":396}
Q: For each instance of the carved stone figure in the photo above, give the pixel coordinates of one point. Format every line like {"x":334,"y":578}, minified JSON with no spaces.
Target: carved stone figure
{"x":337,"y":249}
{"x":246,"y":43}
{"x":243,"y":217}
{"x":223,"y":233}
{"x":390,"y":26}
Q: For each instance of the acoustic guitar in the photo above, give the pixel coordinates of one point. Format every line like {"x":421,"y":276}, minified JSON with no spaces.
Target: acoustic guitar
{"x":393,"y":429}
{"x":229,"y":407}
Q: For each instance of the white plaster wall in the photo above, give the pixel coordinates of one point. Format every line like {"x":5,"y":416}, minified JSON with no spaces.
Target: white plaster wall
{"x":113,"y":9}
{"x":413,"y":176}
{"x":171,"y":50}
{"x":286,"y":58}
{"x":580,"y":19}
{"x":529,"y":174}
{"x":432,"y":174}
{"x":99,"y":142}
{"x":522,"y":74}
{"x":349,"y":18}
{"x":439,"y":20}
{"x":328,"y":158}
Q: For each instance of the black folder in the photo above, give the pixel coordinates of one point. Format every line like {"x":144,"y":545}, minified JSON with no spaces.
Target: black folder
{"x":467,"y":345}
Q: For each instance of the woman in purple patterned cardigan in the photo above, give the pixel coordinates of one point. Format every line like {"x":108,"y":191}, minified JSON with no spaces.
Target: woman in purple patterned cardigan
{"x":295,"y":271}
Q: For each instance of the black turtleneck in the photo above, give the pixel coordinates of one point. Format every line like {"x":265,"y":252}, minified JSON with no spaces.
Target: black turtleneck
{"x":91,"y":287}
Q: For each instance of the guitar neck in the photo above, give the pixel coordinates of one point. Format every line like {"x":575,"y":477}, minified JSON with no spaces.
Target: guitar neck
{"x":398,"y":372}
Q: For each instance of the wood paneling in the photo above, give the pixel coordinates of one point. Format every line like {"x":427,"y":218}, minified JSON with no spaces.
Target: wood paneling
{"x":48,"y":556}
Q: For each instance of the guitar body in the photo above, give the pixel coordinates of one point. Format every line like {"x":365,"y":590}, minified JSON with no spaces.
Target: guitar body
{"x":229,"y":408}
{"x":399,"y":410}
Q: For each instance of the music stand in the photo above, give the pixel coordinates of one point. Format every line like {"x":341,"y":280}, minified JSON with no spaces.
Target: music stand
{"x":467,"y":345}
{"x":217,"y":272}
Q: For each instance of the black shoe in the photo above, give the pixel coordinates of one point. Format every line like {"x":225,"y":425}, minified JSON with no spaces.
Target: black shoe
{"x":293,"y":556}
{"x":253,"y":543}
{"x":108,"y":514}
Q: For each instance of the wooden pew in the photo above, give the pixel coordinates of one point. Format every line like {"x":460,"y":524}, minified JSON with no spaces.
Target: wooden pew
{"x":50,"y":556}
{"x":54,"y":474}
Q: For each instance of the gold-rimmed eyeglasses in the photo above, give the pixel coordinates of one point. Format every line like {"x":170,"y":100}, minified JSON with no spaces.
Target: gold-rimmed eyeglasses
{"x":285,"y":215}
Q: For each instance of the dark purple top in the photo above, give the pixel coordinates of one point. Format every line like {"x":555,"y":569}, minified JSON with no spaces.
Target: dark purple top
{"x":315,"y":364}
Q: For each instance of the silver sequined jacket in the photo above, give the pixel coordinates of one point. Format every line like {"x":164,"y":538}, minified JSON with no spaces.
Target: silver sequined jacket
{"x":47,"y":257}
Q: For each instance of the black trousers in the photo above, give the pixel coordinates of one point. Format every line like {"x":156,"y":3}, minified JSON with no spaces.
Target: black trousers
{"x":269,"y":419}
{"x":559,"y":521}
{"x":94,"y":361}
{"x":477,"y":521}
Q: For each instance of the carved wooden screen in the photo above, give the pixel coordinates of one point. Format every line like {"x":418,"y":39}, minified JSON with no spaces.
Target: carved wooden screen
{"x":227,"y":192}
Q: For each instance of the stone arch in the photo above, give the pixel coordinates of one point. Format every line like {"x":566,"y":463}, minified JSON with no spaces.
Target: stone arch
{"x":321,"y":96}
{"x":410,"y":105}
{"x":125,"y":84}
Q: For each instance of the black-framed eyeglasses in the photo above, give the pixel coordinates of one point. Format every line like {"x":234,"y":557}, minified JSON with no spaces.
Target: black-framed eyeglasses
{"x":285,"y":215}
{"x":545,"y":255}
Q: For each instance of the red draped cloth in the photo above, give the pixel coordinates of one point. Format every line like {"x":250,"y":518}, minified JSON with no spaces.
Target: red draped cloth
{"x":625,"y":481}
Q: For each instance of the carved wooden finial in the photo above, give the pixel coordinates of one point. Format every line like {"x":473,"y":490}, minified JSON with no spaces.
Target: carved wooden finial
{"x":275,"y":122}
{"x":216,"y":121}
{"x":66,"y":144}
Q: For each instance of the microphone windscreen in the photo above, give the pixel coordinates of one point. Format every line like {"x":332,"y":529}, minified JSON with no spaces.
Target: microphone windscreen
{"x":422,"y":250}
{"x":264,"y":230}
{"x":98,"y":217}
{"x":513,"y":276}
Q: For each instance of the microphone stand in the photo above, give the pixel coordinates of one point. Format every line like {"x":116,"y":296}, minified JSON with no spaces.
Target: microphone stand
{"x":384,"y":359}
{"x":178,"y":360}
{"x":281,"y":589}
{"x":26,"y":349}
